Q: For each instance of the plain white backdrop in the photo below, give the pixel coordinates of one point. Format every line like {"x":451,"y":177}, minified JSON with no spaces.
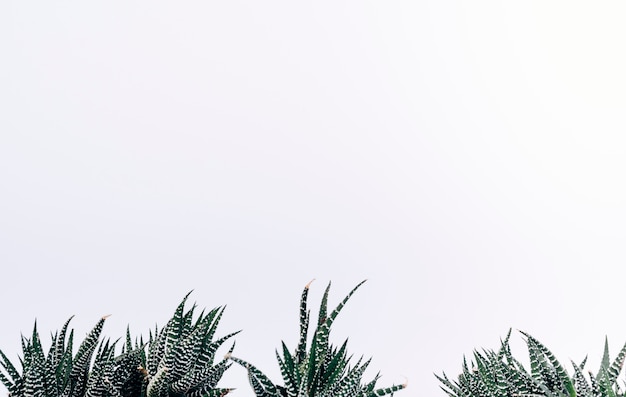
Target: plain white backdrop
{"x":467,"y":159}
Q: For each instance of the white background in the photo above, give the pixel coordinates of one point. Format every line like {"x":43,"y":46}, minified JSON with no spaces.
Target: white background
{"x":467,"y":158}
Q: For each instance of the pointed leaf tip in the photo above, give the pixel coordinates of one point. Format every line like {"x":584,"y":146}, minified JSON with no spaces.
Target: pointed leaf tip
{"x":309,"y":284}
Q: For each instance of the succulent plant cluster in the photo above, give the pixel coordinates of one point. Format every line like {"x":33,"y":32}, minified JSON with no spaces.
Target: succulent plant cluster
{"x":179,"y":360}
{"x":499,"y":374}
{"x":321,"y":370}
{"x":59,"y":372}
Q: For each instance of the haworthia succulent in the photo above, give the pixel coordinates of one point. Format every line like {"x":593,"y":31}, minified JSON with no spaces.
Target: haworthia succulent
{"x":318,"y":370}
{"x":61,"y":373}
{"x":177,"y":361}
{"x":180,"y":358}
{"x":500,"y":374}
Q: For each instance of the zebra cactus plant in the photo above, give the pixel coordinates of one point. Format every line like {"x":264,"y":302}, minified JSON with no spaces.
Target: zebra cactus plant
{"x":499,"y":374}
{"x":177,"y":361}
{"x":59,"y":373}
{"x":322,"y":370}
{"x":116,"y":376}
{"x":180,"y":358}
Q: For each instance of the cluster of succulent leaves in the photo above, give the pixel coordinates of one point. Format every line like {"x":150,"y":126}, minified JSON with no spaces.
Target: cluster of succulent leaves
{"x":499,"y":374}
{"x":179,"y":361}
{"x":321,"y":370}
{"x":180,"y":358}
{"x":59,"y":373}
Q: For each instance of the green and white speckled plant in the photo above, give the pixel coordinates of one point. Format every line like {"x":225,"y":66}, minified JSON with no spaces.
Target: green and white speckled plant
{"x":499,"y":374}
{"x":179,"y":360}
{"x":318,"y":370}
{"x":61,"y":373}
